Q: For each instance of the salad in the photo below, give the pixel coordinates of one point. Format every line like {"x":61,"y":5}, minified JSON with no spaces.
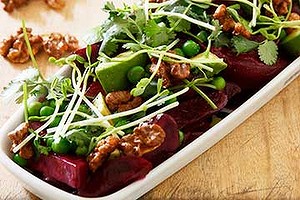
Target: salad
{"x":153,"y":77}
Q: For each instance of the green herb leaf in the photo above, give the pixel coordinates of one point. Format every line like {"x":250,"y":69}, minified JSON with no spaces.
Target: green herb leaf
{"x":178,"y":24}
{"x":140,"y":87}
{"x":243,"y":45}
{"x":40,"y":148}
{"x":268,"y":52}
{"x":157,"y":34}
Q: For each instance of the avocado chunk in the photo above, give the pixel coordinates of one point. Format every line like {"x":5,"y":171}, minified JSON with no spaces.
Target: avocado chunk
{"x":113,"y":75}
{"x":211,"y":60}
{"x":291,"y":43}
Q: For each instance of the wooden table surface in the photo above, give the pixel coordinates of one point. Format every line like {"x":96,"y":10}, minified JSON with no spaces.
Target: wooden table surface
{"x":259,"y":160}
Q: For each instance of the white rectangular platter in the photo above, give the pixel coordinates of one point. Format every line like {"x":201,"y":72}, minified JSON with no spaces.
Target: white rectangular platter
{"x":168,"y":167}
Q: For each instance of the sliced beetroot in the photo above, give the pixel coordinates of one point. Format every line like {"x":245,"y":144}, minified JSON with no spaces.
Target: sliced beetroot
{"x":232,"y":90}
{"x":115,"y":174}
{"x":194,"y":110}
{"x":69,"y":170}
{"x":247,"y":70}
{"x":94,"y":55}
{"x":94,"y":88}
{"x":171,"y":142}
{"x":34,"y":125}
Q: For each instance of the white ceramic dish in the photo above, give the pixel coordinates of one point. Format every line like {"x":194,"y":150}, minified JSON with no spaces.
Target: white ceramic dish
{"x":167,"y":168}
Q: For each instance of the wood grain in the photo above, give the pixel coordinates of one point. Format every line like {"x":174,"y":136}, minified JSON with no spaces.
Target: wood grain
{"x":259,"y":160}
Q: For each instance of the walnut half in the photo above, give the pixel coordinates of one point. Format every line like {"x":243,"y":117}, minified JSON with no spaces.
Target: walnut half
{"x":144,"y":139}
{"x":102,"y":151}
{"x":15,"y":49}
{"x":17,"y":136}
{"x":122,"y":100}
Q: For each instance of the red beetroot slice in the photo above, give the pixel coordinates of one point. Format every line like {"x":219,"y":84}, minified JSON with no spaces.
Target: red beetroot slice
{"x":114,"y":175}
{"x":171,"y":142}
{"x":94,"y":89}
{"x":94,"y":55}
{"x":194,"y":110}
{"x":69,"y":170}
{"x":246,"y":69}
{"x":35,"y":125}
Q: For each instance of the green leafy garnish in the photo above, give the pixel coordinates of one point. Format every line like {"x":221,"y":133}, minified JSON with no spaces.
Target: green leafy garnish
{"x":268,"y":52}
{"x":157,"y":33}
{"x":243,"y":45}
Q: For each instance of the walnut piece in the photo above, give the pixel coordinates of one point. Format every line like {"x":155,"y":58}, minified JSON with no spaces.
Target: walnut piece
{"x":10,"y":5}
{"x":56,"y":4}
{"x":144,"y":139}
{"x":15,"y":49}
{"x":57,"y":45}
{"x":180,"y":70}
{"x":281,"y":6}
{"x":102,"y":151}
{"x":122,"y":100}
{"x":163,"y":72}
{"x":228,"y":24}
{"x":17,"y":136}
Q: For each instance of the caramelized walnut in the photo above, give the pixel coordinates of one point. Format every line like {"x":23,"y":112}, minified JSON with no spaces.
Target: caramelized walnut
{"x":122,"y":100}
{"x":281,"y":6}
{"x":228,"y":24}
{"x":10,"y":5}
{"x":144,"y":139}
{"x":17,"y":136}
{"x":102,"y":151}
{"x":56,"y":4}
{"x":57,"y":45}
{"x":15,"y":49}
{"x":180,"y":70}
{"x":163,"y":72}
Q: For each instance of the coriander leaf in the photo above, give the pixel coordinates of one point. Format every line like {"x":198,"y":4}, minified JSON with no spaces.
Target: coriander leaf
{"x":132,"y":46}
{"x":222,"y":40}
{"x":178,"y":24}
{"x":157,"y":34}
{"x":243,"y":45}
{"x":140,"y":17}
{"x":268,"y":52}
{"x":109,"y":6}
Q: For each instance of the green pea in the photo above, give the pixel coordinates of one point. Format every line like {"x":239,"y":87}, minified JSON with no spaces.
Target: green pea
{"x":34,"y":108}
{"x":202,"y":36}
{"x":81,"y":150}
{"x":179,"y":52}
{"x":190,"y":48}
{"x":61,"y":145}
{"x":219,"y":83}
{"x":19,"y":160}
{"x":55,"y":122}
{"x":46,"y":111}
{"x":135,"y":74}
